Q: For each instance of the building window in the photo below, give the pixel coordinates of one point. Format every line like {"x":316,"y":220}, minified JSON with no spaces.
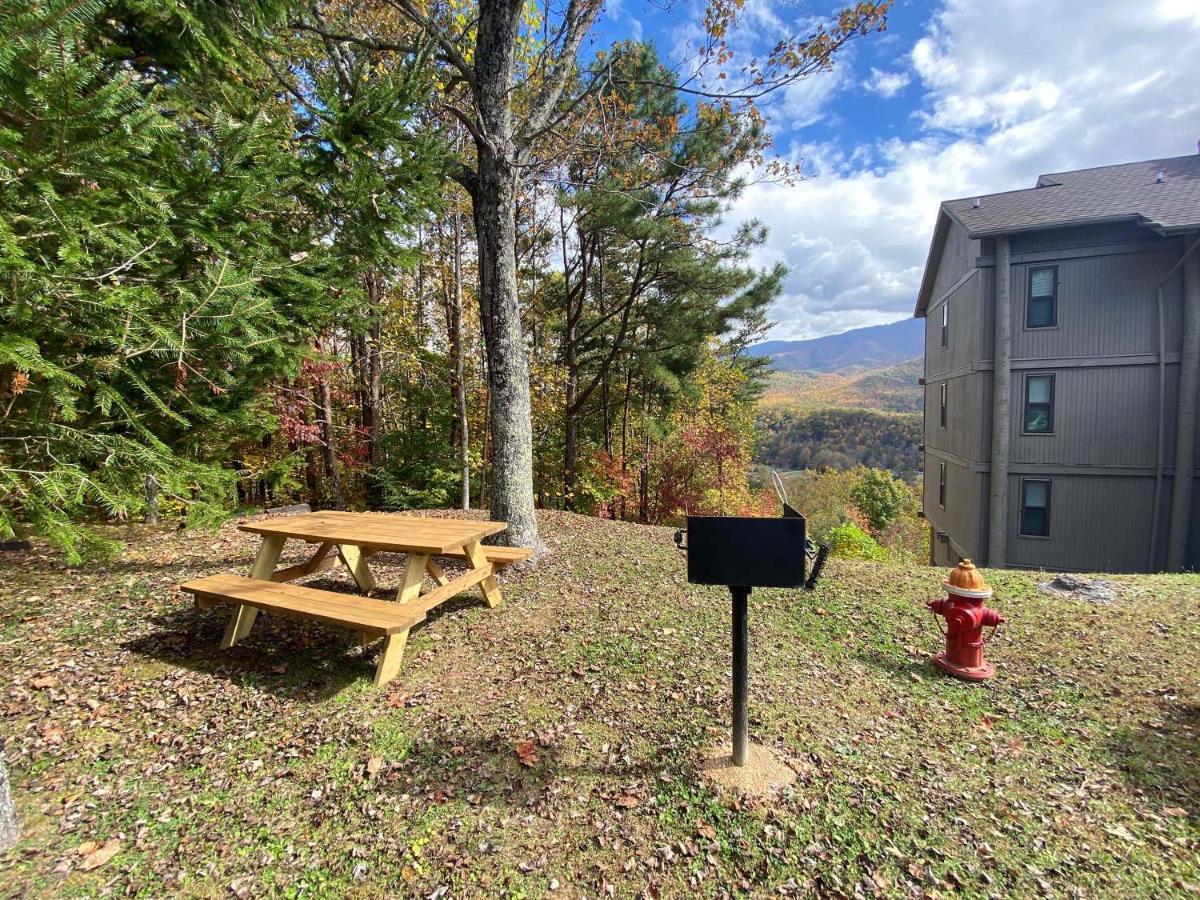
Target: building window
{"x":943,"y":410}
{"x":1039,"y":404}
{"x":942,"y":485}
{"x":945,"y":324}
{"x":1041,"y":310}
{"x":1035,"y":507}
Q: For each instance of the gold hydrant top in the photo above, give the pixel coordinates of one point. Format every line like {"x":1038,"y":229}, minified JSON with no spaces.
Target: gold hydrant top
{"x":967,"y":581}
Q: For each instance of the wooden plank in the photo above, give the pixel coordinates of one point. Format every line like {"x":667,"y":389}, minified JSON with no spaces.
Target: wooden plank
{"x":389,"y":658}
{"x":318,"y":562}
{"x":479,"y":563}
{"x":437,"y":572}
{"x":243,"y":617}
{"x":430,"y":599}
{"x":414,"y":577}
{"x":362,"y":614}
{"x":498,"y":556}
{"x":379,"y":532}
{"x":357,"y":564}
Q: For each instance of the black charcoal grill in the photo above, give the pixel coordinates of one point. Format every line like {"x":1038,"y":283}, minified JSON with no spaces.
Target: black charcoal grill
{"x":743,"y":553}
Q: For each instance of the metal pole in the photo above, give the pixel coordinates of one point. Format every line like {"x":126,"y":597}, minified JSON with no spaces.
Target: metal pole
{"x":741,"y":674}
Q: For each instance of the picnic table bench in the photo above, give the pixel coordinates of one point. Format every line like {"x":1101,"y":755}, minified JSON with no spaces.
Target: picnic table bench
{"x":353,"y":538}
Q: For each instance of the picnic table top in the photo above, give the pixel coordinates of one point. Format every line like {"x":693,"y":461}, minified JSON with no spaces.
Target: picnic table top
{"x":379,"y":531}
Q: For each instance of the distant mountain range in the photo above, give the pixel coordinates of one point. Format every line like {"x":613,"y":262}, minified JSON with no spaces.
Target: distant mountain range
{"x":859,"y":350}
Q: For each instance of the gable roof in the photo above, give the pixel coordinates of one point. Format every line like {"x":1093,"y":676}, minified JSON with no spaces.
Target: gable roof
{"x":1127,"y":192}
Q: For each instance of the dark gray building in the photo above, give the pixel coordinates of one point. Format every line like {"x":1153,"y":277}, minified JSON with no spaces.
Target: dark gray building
{"x":1062,"y":366}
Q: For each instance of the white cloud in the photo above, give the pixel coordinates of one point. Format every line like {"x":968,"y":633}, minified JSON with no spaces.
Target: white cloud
{"x":887,"y":84}
{"x":1011,"y":89}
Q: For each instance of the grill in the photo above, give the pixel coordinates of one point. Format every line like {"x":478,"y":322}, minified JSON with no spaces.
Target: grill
{"x":743,"y":553}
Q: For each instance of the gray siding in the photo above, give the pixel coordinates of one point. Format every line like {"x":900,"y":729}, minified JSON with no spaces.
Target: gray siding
{"x":1102,"y":353}
{"x":1102,"y":417}
{"x":1097,"y":524}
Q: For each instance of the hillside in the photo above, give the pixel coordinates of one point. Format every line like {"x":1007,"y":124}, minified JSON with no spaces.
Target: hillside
{"x":890,"y":389}
{"x":550,"y":744}
{"x":838,"y":439}
{"x":860,"y":349}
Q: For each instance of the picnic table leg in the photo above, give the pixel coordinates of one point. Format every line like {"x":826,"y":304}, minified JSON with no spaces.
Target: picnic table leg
{"x":414,"y":577}
{"x":264,"y":564}
{"x":491,"y":590}
{"x":356,"y":562}
{"x":389,"y":658}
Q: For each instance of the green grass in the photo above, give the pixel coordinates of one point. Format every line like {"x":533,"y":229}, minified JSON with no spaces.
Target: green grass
{"x":275,"y":768}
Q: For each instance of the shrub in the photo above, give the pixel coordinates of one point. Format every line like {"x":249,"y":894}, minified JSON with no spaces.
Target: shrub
{"x":850,"y":541}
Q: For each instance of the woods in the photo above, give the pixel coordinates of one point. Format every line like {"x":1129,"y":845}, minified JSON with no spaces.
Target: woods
{"x":373,"y":255}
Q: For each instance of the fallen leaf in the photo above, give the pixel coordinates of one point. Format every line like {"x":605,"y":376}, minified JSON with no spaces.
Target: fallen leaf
{"x":279,"y":669}
{"x":1177,"y":812}
{"x":526,"y":754}
{"x":100,"y":855}
{"x":706,"y":830}
{"x":627,"y":801}
{"x":374,"y":765}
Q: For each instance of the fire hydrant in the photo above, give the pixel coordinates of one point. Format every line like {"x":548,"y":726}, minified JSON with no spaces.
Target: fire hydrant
{"x":966,"y":616}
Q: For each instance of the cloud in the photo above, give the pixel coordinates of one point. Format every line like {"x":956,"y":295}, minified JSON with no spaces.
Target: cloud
{"x":887,"y":84}
{"x":1010,"y":89}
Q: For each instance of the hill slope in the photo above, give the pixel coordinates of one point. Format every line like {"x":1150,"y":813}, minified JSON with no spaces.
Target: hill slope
{"x":551,"y":742}
{"x":852,"y":351}
{"x":892,"y":389}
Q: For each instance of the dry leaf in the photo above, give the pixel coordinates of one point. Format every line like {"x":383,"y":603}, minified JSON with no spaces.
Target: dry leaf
{"x":526,"y":754}
{"x":706,"y":830}
{"x":374,"y":764}
{"x":627,"y":801}
{"x":100,"y":855}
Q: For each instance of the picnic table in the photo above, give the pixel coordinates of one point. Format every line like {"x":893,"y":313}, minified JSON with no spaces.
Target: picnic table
{"x":352,"y":538}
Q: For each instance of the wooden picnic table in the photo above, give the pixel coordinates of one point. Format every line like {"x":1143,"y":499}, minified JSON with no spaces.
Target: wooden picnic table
{"x":352,"y":538}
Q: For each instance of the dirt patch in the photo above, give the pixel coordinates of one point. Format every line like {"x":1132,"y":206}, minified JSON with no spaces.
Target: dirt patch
{"x":763,"y":775}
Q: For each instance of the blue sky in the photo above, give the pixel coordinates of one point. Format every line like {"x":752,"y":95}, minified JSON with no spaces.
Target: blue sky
{"x":958,"y":98}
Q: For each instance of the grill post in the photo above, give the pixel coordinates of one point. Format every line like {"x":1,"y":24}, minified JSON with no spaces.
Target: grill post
{"x":741,"y":675}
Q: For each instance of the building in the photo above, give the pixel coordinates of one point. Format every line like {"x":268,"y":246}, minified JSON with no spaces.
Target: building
{"x":1062,"y":361}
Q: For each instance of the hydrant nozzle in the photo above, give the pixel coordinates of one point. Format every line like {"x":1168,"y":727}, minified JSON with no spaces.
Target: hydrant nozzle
{"x":966,"y":616}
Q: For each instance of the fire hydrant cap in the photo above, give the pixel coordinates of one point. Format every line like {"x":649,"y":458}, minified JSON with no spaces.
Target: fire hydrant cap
{"x":967,"y":581}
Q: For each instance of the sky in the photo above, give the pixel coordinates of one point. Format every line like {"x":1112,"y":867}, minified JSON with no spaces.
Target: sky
{"x":956,"y":99}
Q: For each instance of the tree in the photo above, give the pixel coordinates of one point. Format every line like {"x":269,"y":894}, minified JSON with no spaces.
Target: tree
{"x":10,"y":831}
{"x":881,"y":497}
{"x":511,"y":88}
{"x":153,"y":267}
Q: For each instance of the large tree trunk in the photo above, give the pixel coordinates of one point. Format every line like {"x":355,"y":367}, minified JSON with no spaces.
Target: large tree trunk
{"x":508,"y":367}
{"x":9,"y":830}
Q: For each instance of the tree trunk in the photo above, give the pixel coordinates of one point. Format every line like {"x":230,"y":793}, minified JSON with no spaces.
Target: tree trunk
{"x":508,"y":368}
{"x":151,"y":500}
{"x":329,"y":442}
{"x":371,"y":363}
{"x":10,"y":831}
{"x":460,"y":375}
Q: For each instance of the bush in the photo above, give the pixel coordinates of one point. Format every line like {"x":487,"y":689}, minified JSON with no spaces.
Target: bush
{"x":881,"y":497}
{"x":852,"y":542}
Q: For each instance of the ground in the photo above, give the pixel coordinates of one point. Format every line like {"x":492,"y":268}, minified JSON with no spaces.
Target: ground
{"x":551,"y":744}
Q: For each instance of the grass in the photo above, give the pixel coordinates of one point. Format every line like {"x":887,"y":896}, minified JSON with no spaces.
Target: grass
{"x":275,"y":769}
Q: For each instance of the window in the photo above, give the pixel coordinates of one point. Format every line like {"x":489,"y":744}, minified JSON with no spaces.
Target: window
{"x":945,"y":324}
{"x":942,"y":485}
{"x":943,"y":412}
{"x":1039,"y":404}
{"x":1041,"y":310}
{"x":1035,"y":507}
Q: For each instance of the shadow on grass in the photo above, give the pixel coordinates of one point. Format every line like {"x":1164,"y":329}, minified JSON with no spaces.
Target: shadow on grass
{"x":893,"y":666}
{"x":1163,"y":758}
{"x":289,"y":657}
{"x":488,"y":770}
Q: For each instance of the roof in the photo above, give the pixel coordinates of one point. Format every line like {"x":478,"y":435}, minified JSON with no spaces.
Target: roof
{"x":1127,"y":192}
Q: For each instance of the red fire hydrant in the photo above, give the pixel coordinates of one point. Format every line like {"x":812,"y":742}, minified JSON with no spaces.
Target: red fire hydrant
{"x":966,"y":617}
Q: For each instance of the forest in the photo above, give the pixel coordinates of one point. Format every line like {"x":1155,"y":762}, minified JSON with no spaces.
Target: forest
{"x":377,"y":255}
{"x":793,"y":439}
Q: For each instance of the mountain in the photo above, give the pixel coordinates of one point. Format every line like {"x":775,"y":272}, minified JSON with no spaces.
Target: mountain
{"x":861,"y":349}
{"x":894,"y":389}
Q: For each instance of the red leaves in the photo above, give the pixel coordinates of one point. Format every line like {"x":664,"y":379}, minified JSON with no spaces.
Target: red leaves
{"x":526,"y":753}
